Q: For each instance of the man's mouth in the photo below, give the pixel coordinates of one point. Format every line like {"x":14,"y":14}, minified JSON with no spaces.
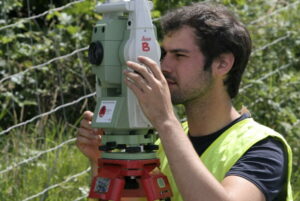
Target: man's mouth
{"x":171,"y":82}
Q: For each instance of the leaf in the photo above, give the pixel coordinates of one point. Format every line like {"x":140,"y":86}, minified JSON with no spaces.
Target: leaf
{"x":73,"y":29}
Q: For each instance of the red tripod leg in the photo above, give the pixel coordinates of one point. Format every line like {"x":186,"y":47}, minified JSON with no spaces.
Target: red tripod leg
{"x":110,"y":184}
{"x":156,"y":186}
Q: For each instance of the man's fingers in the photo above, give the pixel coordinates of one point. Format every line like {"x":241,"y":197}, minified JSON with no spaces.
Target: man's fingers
{"x":88,"y":115}
{"x":152,"y":65}
{"x":136,"y":80}
{"x":84,"y":123}
{"x":135,"y":89}
{"x":83,"y":141}
{"x":87,"y":136}
{"x":87,"y":141}
{"x":142,"y":71}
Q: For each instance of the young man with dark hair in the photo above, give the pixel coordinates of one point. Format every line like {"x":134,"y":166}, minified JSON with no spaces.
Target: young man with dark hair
{"x":218,"y":154}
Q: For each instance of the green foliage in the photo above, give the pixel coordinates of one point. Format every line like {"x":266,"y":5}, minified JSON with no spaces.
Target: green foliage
{"x":47,"y":170}
{"x":30,"y":44}
{"x":270,"y":87}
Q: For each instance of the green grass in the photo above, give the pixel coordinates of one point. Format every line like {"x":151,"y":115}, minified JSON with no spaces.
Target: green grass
{"x":49,"y":169}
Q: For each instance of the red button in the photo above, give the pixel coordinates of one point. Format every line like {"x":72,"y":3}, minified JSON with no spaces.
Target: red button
{"x":102,"y":111}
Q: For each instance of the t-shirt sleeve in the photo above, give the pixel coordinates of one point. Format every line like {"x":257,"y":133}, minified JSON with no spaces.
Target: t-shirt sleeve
{"x":264,"y":164}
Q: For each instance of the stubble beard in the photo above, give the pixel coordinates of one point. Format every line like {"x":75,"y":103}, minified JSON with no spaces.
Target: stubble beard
{"x":187,"y":95}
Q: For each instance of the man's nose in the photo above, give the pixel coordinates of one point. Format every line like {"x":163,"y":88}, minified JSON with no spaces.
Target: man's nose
{"x":165,"y":64}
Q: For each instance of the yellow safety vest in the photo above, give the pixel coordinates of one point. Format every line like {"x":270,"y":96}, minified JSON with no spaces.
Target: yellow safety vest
{"x":227,"y":149}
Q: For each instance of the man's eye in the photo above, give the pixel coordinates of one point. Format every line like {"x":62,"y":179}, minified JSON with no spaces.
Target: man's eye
{"x":163,"y":53}
{"x":180,"y":55}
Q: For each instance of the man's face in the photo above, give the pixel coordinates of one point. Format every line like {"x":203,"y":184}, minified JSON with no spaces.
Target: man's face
{"x":183,"y":66}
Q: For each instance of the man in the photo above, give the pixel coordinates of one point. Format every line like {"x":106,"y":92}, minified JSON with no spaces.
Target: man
{"x":225,"y":155}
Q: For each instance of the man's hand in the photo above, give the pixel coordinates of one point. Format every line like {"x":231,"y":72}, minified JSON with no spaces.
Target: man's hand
{"x":151,"y":89}
{"x":89,"y":139}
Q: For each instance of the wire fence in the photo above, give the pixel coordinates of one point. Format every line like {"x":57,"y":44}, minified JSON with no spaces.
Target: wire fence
{"x":93,"y":94}
{"x":40,"y":66}
{"x":265,"y":77}
{"x":47,"y":113}
{"x":275,"y":12}
{"x":36,"y":156}
{"x":87,"y":96}
{"x":24,"y":20}
{"x":70,"y":178}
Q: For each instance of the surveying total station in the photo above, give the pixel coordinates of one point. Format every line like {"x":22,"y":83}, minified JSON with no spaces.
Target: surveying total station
{"x":128,"y":166}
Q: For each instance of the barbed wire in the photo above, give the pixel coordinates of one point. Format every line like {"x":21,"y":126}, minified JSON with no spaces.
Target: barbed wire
{"x":47,"y":113}
{"x":275,"y":12}
{"x":260,"y":100}
{"x":156,"y":19}
{"x":44,"y":64}
{"x":20,"y":21}
{"x":271,"y":43}
{"x":26,"y":161}
{"x":93,"y":94}
{"x":58,"y":184}
{"x":265,"y":76}
{"x":86,"y":48}
{"x":71,"y":140}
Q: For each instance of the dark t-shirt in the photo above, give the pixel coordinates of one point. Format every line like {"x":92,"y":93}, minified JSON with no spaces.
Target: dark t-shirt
{"x":264,"y":164}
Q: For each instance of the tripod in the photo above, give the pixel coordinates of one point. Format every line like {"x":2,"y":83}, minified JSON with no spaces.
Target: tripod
{"x":130,"y":178}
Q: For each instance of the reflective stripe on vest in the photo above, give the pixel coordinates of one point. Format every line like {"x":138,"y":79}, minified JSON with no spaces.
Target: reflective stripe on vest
{"x":227,"y":149}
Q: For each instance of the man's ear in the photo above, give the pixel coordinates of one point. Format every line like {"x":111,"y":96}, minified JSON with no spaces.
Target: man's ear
{"x":223,"y":64}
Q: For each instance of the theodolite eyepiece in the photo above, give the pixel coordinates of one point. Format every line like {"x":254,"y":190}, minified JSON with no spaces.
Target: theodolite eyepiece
{"x":96,"y":53}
